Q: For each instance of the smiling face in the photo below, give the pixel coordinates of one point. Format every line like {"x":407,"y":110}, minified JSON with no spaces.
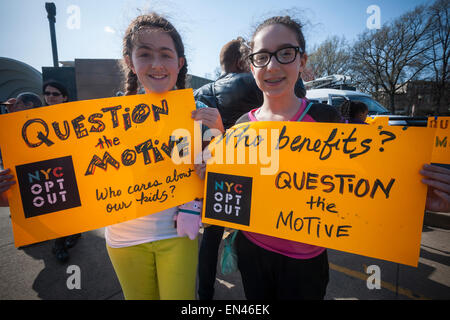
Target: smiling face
{"x":277,"y":79}
{"x":155,"y":61}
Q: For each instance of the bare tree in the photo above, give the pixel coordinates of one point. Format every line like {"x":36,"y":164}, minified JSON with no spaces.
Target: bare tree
{"x":330,"y":57}
{"x":366,"y":63}
{"x":439,"y":53}
{"x":387,"y":59}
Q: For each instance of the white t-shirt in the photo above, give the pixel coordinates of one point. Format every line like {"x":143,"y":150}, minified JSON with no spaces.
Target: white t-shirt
{"x":154,"y":227}
{"x":157,"y":226}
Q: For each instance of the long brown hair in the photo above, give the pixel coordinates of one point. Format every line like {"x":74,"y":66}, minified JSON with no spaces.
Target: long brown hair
{"x":152,"y":21}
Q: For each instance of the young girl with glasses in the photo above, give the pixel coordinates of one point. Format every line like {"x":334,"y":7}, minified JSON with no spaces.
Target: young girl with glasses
{"x":273,"y":268}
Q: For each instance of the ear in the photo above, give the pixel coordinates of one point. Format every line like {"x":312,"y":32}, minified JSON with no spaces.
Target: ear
{"x":181,"y":62}
{"x":129,"y":63}
{"x":303,"y":60}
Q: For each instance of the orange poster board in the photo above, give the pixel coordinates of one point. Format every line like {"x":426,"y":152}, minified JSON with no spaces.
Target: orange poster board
{"x":354,"y":188}
{"x":89,"y":164}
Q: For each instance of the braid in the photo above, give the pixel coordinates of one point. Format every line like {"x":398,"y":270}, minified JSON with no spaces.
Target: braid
{"x":181,"y":80}
{"x":131,"y":83}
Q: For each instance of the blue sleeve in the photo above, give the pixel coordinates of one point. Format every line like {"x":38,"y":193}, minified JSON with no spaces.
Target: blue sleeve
{"x":199,"y":105}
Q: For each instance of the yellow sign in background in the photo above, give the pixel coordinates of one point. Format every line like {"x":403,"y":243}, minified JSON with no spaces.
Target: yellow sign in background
{"x":354,"y":188}
{"x":441,"y":142}
{"x":119,"y":148}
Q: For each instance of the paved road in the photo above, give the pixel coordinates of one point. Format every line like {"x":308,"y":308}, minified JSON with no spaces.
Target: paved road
{"x":33,"y":272}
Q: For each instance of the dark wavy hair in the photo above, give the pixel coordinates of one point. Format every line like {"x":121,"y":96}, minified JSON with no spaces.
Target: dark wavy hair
{"x":152,"y":21}
{"x":58,"y":85}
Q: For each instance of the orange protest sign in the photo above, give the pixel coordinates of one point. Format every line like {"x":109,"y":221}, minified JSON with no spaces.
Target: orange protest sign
{"x":441,"y":142}
{"x":354,"y":188}
{"x":85,"y":165}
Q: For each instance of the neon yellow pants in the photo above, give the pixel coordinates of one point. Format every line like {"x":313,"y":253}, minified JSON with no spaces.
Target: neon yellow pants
{"x":164,"y":269}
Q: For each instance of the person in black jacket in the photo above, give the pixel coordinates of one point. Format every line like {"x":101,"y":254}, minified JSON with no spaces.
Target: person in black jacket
{"x":234,"y":93}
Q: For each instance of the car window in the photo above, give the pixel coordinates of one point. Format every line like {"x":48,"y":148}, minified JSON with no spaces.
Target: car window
{"x":337,"y":101}
{"x":373,"y":105}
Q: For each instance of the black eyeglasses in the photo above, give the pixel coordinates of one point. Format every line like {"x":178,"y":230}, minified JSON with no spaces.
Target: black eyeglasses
{"x":55,"y":94}
{"x":284,"y":56}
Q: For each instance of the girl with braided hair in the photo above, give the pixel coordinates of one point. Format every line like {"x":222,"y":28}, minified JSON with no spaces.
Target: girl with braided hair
{"x":149,"y":255}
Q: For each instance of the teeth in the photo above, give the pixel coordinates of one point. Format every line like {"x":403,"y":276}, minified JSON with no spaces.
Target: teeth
{"x":273,"y":80}
{"x":158,"y":77}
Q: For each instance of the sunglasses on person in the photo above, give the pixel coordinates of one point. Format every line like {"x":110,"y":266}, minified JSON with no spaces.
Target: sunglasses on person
{"x":284,"y":56}
{"x":55,"y":94}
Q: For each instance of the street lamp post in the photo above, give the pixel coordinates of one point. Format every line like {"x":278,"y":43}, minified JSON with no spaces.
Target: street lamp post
{"x":51,"y":14}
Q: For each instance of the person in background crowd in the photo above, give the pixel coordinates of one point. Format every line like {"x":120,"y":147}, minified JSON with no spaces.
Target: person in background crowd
{"x":233,"y":94}
{"x":24,"y":101}
{"x":354,"y":112}
{"x":56,"y":93}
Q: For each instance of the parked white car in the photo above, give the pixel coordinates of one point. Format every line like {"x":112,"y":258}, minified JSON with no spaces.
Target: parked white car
{"x":335,"y":97}
{"x":335,"y":89}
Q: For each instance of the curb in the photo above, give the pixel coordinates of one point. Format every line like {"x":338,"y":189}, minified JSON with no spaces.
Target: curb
{"x":437,"y":220}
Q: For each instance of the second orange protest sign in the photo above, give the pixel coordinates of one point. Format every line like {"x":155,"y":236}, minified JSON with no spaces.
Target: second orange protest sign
{"x":355,"y":188}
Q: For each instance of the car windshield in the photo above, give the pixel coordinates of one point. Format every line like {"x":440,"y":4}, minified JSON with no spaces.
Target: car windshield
{"x":373,"y":105}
